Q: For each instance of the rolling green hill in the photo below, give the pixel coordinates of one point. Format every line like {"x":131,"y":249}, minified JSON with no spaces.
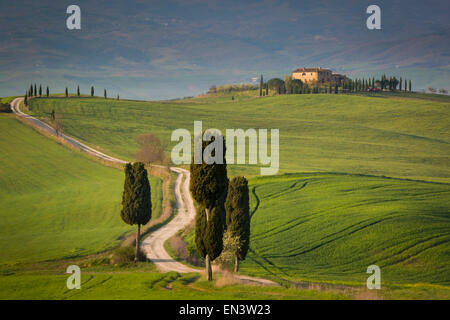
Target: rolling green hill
{"x":331,"y":227}
{"x":397,"y":136}
{"x":328,"y":226}
{"x":56,"y":202}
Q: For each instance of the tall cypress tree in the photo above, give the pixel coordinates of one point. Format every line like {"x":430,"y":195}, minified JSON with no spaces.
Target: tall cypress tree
{"x":238,"y":216}
{"x":67,"y":92}
{"x":136,"y":199}
{"x":400,"y":84}
{"x":31,"y":90}
{"x":48,"y":92}
{"x":25,"y":100}
{"x":104,"y":93}
{"x":261,"y":84}
{"x":40,"y":90}
{"x":78,"y":91}
{"x":410,"y":85}
{"x":208,"y":186}
{"x":92,"y":91}
{"x":35,"y":90}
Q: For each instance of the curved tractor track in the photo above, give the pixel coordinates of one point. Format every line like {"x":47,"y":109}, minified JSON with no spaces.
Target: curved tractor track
{"x":153,"y":245}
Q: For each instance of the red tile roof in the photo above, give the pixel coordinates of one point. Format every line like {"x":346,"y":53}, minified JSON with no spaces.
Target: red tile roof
{"x":310,"y":70}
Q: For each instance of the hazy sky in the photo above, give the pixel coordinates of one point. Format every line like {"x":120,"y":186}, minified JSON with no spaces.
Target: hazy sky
{"x":167,"y":49}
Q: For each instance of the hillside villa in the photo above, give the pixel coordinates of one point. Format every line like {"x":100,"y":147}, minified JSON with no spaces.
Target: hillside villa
{"x":317,"y":75}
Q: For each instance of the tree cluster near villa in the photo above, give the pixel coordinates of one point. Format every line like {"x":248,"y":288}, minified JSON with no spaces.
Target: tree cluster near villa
{"x":317,"y":80}
{"x":290,"y":84}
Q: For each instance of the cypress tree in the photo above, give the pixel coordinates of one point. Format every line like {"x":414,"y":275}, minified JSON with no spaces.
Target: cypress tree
{"x":136,"y":199}
{"x":48,"y":92}
{"x":410,"y":85}
{"x":200,"y":231}
{"x":215,"y":226}
{"x":208,"y":186}
{"x":67,"y":92}
{"x":400,"y":84}
{"x":40,"y":90}
{"x":35,"y":90}
{"x":238,"y":216}
{"x":261,"y":84}
{"x":31,"y":91}
{"x":78,"y":91}
{"x":25,"y":101}
{"x":92,"y":91}
{"x":104,"y":93}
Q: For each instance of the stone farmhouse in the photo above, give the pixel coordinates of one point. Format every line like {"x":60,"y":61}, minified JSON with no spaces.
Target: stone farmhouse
{"x":318,"y":75}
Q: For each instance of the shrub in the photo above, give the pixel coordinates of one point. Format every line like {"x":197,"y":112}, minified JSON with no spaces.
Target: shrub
{"x":5,"y":107}
{"x":231,"y":244}
{"x":123,"y":255}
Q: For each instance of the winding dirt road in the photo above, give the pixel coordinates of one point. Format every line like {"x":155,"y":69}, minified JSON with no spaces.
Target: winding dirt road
{"x":153,"y":245}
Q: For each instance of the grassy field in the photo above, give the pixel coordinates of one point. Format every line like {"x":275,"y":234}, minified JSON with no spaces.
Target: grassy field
{"x":331,"y":227}
{"x":401,"y":135}
{"x":306,"y":227}
{"x":56,"y":202}
{"x":138,"y":285}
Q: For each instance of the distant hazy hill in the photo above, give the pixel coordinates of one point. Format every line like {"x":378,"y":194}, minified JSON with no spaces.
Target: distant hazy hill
{"x":166,"y":49}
